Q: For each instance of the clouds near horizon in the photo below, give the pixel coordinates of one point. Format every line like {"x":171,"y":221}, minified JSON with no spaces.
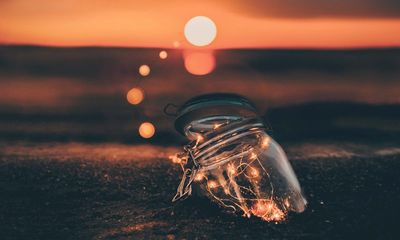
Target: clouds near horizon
{"x":317,"y":8}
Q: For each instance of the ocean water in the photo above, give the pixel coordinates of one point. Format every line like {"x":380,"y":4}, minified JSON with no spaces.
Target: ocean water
{"x":80,"y":93}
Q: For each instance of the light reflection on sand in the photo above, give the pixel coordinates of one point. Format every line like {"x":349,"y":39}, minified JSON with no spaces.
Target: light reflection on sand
{"x":113,"y":152}
{"x":88,"y":152}
{"x":131,"y":229}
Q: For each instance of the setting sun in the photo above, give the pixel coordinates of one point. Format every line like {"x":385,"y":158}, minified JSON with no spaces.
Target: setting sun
{"x":200,"y":31}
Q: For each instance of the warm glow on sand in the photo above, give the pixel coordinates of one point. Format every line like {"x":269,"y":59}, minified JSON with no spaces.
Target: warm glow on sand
{"x":199,"y":62}
{"x":146,"y":130}
{"x":200,"y":31}
{"x":144,"y":70}
{"x":163,"y":54}
{"x":135,"y":96}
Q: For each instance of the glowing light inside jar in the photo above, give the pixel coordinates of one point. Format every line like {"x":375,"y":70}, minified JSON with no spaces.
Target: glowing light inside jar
{"x":238,"y":166}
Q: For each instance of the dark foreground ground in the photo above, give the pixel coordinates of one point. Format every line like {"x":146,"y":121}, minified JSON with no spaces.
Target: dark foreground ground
{"x":88,"y":177}
{"x":72,"y":165}
{"x":117,"y":191}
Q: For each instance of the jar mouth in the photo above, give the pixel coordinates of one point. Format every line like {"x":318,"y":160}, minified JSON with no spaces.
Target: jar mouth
{"x":205,"y":126}
{"x":206,"y":153}
{"x":216,"y":105}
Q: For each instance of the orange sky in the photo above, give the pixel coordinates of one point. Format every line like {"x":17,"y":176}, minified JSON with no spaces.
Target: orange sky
{"x":160,"y":23}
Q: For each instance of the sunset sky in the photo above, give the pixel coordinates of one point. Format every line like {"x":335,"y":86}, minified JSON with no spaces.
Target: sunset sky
{"x":241,"y":24}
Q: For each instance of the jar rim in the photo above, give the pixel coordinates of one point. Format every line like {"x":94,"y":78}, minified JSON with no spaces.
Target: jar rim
{"x":211,"y":105}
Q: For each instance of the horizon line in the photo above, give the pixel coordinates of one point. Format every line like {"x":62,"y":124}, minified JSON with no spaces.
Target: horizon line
{"x":348,"y":48}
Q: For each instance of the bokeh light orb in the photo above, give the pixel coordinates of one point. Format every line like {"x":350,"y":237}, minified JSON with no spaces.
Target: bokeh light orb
{"x":200,"y":31}
{"x":144,"y":70}
{"x":146,"y":130}
{"x":199,"y":63}
{"x":135,"y":96}
{"x":176,"y":44}
{"x":163,"y":54}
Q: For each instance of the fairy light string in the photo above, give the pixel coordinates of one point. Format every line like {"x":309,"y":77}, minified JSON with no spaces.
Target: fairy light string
{"x":232,"y":178}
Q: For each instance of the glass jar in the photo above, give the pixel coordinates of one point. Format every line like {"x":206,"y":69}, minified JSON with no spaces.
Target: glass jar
{"x":232,"y":159}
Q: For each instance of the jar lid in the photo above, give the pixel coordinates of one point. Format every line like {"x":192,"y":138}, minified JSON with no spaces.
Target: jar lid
{"x":210,"y":105}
